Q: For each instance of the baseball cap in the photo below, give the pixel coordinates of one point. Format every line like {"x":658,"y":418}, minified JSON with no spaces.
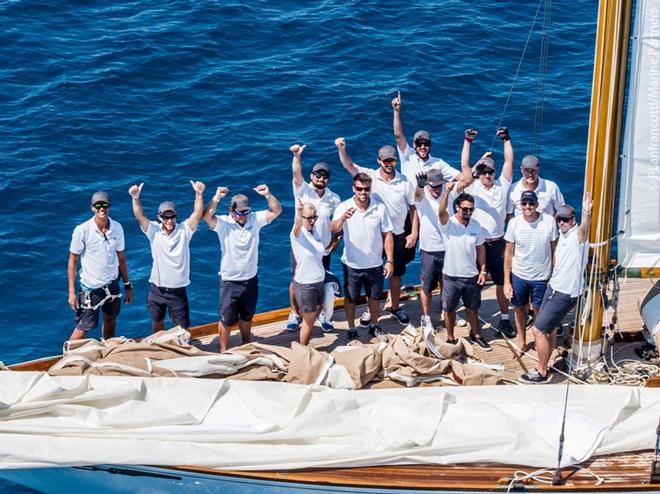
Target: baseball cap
{"x":530,"y":161}
{"x":239,"y":201}
{"x":166,"y":206}
{"x":386,"y":152}
{"x":423,"y":135}
{"x":529,"y":196}
{"x":434,"y":176}
{"x":321,"y":165}
{"x":100,"y":196}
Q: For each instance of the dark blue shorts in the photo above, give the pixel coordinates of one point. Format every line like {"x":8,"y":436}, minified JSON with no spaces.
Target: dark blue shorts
{"x":495,"y":260}
{"x":87,"y":318}
{"x":432,"y":265}
{"x":554,"y":308}
{"x":160,"y":299}
{"x":455,"y":288}
{"x":371,"y":279}
{"x":238,"y":300}
{"x":523,"y":290}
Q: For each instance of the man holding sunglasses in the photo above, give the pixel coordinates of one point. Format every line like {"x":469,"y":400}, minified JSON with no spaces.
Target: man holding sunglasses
{"x":397,"y":193}
{"x":170,"y":251}
{"x":490,"y":200}
{"x":530,"y":244}
{"x":238,"y":233}
{"x":99,"y":244}
{"x":565,"y":286}
{"x":548,"y":193}
{"x":316,"y":192}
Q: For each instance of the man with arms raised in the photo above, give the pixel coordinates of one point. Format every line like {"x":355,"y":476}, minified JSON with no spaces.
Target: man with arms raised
{"x":99,"y":244}
{"x":315,"y":192}
{"x":565,"y":286}
{"x":530,"y":244}
{"x":170,"y":251}
{"x":548,"y":193}
{"x":397,"y":193}
{"x":367,"y":232}
{"x":464,"y":251}
{"x":238,"y":233}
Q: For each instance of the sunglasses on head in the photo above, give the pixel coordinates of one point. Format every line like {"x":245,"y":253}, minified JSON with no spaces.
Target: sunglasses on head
{"x":311,"y":218}
{"x":321,"y":174}
{"x":564,"y":219}
{"x":101,"y":205}
{"x":467,"y":210}
{"x":527,"y":203}
{"x":422,"y":143}
{"x":242,"y":212}
{"x":169,"y":217}
{"x":362,"y":189}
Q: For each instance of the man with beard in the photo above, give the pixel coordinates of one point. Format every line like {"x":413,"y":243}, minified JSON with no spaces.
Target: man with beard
{"x":238,"y":233}
{"x":315,"y":192}
{"x":565,"y":285}
{"x":548,"y":193}
{"x":367,"y":233}
{"x":530,"y":245}
{"x":170,"y":251}
{"x":397,"y":193}
{"x":99,"y":244}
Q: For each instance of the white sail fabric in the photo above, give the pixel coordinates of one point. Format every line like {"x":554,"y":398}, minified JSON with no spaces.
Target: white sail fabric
{"x":639,"y":201}
{"x":66,"y":421}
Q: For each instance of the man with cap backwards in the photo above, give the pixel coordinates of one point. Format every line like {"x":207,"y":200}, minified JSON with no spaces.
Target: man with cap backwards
{"x":170,"y":251}
{"x":530,"y":245}
{"x":465,"y":264}
{"x":548,"y":193}
{"x":490,"y":200}
{"x":238,"y":233}
{"x":565,"y":285}
{"x":367,"y":230}
{"x":315,"y":192}
{"x":99,"y":244}
{"x":397,"y":193}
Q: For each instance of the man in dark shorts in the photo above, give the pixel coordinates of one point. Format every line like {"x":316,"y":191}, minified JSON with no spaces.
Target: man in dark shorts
{"x":170,"y":251}
{"x":99,"y":244}
{"x":238,"y":233}
{"x":367,"y":232}
{"x":565,"y":286}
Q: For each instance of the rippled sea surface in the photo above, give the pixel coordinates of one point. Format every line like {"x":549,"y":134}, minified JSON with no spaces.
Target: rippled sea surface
{"x":102,"y":95}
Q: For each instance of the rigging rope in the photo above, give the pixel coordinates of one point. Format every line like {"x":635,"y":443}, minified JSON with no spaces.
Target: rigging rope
{"x":543,"y":65}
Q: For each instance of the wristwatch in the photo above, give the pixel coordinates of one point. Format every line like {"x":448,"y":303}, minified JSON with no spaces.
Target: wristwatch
{"x":389,"y":262}
{"x":128,"y":285}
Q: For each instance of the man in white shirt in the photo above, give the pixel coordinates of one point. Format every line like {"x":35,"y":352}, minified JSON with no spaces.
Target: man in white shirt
{"x":463,"y":238}
{"x":565,"y":286}
{"x":99,"y":244}
{"x":397,"y":193}
{"x":530,"y":244}
{"x":316,"y":192}
{"x":490,"y":196}
{"x":170,"y":252}
{"x":238,"y":233}
{"x":548,"y":193}
{"x":367,"y":230}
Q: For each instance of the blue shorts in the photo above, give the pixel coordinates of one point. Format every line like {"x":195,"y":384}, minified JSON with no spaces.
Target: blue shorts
{"x":554,"y":308}
{"x":523,"y":290}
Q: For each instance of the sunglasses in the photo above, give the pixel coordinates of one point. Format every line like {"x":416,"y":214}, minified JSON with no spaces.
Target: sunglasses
{"x":101,"y":205}
{"x":425,"y":144}
{"x":527,"y":203}
{"x":564,"y":219}
{"x":321,"y":174}
{"x":467,"y":210}
{"x":362,"y":189}
{"x":437,"y":186}
{"x":311,"y":218}
{"x":390,"y":161}
{"x":488,"y":172}
{"x":530,"y":170}
{"x":169,"y":217}
{"x":242,"y":212}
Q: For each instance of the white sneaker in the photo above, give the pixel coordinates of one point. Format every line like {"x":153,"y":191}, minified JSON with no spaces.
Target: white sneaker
{"x":425,"y":322}
{"x":365,"y":319}
{"x":461,"y":322}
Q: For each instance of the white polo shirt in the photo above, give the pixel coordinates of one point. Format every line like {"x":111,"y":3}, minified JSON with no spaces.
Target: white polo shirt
{"x":99,"y":264}
{"x":397,"y":195}
{"x":430,"y":238}
{"x":550,"y":197}
{"x":490,"y":205}
{"x":325,"y":207}
{"x":411,"y":165}
{"x":308,"y":250}
{"x":170,"y":254}
{"x":532,"y":255}
{"x":461,"y":247}
{"x":571,"y":258}
{"x":239,"y":245}
{"x":363,"y":234}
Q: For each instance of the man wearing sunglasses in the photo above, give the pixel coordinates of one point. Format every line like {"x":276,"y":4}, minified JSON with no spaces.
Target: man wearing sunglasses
{"x":238,"y":233}
{"x":316,"y":192}
{"x":548,"y":193}
{"x":397,"y":193}
{"x":170,"y":252}
{"x":530,"y":244}
{"x":463,"y":238}
{"x":367,"y":233}
{"x":99,"y":244}
{"x":490,"y":200}
{"x":565,"y":285}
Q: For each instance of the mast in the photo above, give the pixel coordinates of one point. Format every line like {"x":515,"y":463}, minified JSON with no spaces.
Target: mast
{"x":607,"y":96}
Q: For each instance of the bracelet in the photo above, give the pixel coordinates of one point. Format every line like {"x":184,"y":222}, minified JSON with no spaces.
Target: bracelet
{"x":389,"y":262}
{"x":128,"y":285}
{"x":483,"y":272}
{"x":469,"y":139}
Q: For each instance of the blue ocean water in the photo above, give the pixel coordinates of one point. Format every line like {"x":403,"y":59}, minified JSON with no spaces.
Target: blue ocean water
{"x":102,"y":95}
